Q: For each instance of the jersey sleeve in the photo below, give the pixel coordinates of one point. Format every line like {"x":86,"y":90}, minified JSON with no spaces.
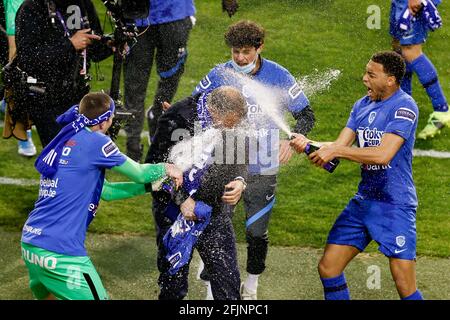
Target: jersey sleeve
{"x":296,"y":99}
{"x":11,"y":8}
{"x":402,"y":121}
{"x":211,"y":81}
{"x":351,"y":122}
{"x":104,"y":152}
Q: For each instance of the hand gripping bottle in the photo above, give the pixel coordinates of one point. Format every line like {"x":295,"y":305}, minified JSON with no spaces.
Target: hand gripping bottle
{"x":329,"y":166}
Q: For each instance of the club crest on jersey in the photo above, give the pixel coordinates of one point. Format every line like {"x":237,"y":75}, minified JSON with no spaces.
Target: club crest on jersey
{"x":372,"y":116}
{"x":109,"y":148}
{"x":205,"y":82}
{"x":295,"y":91}
{"x":407,"y":114}
{"x":246,"y":91}
{"x":400,"y":240}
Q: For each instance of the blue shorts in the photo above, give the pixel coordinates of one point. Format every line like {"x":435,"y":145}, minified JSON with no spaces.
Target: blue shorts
{"x":418,"y":33}
{"x":393,"y":227}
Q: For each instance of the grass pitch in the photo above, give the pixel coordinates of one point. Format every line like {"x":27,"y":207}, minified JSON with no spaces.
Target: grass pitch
{"x":305,"y":36}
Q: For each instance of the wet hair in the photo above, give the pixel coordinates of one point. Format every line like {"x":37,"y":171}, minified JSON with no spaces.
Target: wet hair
{"x":227,"y":99}
{"x":244,"y":33}
{"x":392,"y":62}
{"x":94,"y":104}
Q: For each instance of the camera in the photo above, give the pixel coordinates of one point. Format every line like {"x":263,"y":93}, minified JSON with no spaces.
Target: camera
{"x":14,"y":77}
{"x":128,"y":10}
{"x":124,"y":13}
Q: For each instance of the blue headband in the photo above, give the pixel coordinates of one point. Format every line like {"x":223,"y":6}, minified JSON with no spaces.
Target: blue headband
{"x":73,"y":115}
{"x":47,"y":162}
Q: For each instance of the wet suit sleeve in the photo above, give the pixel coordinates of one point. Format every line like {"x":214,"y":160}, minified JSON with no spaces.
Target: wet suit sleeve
{"x":141,"y":173}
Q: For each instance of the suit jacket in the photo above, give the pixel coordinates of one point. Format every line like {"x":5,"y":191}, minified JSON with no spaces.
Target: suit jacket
{"x":183,"y":115}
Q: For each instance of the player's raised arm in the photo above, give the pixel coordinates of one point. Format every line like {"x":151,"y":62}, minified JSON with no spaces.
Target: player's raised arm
{"x":145,"y":173}
{"x":122,"y":190}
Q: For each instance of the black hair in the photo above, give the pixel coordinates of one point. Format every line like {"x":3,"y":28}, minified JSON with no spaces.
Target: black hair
{"x":392,"y":62}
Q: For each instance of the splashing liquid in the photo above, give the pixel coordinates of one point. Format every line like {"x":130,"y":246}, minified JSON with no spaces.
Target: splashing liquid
{"x":317,"y":82}
{"x":189,"y":152}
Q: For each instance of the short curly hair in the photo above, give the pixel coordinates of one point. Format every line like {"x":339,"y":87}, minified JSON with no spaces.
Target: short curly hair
{"x":244,"y":33}
{"x":393,"y":64}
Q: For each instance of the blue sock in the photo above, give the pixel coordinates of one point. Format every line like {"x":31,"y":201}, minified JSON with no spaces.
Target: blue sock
{"x":406,"y":84}
{"x":335,"y":288}
{"x":428,"y":77}
{"x":415,"y":296}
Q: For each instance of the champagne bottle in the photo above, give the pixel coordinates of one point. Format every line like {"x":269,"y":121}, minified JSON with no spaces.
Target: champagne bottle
{"x":330,"y":165}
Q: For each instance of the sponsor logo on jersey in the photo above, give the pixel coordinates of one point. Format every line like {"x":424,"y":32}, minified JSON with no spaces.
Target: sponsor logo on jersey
{"x":109,"y":148}
{"x":369,"y":137}
{"x":30,"y":229}
{"x":93,"y":208}
{"x":49,"y":183}
{"x":254,"y":111}
{"x":407,"y":114}
{"x":43,"y":262}
{"x":295,"y":91}
{"x":372,"y":116}
{"x":374,"y":167}
{"x":48,"y":187}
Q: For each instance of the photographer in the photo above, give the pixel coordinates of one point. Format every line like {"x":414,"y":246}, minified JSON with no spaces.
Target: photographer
{"x":55,"y":44}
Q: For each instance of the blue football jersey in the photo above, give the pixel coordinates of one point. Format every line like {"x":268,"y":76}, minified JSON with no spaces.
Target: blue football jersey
{"x":370,"y":120}
{"x":289,"y":95}
{"x":67,"y":202}
{"x":165,"y":11}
